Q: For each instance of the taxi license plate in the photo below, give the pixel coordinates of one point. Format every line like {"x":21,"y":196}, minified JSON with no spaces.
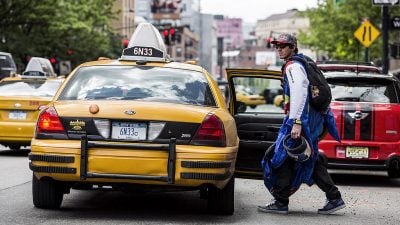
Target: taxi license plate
{"x":356,"y":152}
{"x":17,"y":115}
{"x":129,"y":131}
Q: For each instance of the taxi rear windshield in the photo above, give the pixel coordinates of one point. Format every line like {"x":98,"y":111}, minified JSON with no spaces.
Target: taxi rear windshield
{"x":139,"y":83}
{"x":38,"y":88}
{"x":364,"y":90}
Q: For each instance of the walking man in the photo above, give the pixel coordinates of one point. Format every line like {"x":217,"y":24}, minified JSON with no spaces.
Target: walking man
{"x":284,"y":174}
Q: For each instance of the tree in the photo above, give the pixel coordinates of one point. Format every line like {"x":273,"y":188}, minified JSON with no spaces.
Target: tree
{"x":332,"y":27}
{"x":49,"y":28}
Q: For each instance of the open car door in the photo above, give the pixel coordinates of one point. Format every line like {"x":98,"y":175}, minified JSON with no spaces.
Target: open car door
{"x":255,"y":101}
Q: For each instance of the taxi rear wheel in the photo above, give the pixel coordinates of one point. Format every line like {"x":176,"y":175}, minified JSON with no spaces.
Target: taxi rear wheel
{"x":222,"y":201}
{"x":47,"y":194}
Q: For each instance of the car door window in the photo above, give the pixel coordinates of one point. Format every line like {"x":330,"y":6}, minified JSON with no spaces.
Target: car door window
{"x":258,"y":95}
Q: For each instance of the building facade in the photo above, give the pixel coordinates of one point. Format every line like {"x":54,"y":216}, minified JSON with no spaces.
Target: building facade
{"x":124,"y":23}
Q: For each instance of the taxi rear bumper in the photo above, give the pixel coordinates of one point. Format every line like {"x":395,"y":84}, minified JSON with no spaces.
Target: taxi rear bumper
{"x":120,"y":163}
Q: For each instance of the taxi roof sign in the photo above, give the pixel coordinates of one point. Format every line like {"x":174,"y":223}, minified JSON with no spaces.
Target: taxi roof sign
{"x":39,"y":67}
{"x":146,"y":44}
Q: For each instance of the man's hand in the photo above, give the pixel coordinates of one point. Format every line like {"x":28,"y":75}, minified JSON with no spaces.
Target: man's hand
{"x":296,"y":131}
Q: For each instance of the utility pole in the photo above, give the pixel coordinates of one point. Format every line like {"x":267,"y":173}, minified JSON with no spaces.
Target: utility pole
{"x":385,"y":37}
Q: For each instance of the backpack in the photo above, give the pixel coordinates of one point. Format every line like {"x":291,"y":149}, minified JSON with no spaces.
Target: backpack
{"x":318,"y":90}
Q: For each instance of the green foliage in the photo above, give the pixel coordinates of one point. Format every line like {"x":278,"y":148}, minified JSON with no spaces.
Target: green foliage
{"x":332,"y":27}
{"x":48,"y":28}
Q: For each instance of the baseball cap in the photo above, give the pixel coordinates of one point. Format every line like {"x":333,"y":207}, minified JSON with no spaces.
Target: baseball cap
{"x":285,"y":39}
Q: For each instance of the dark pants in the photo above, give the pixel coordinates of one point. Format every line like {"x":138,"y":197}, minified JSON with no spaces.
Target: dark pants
{"x":285,"y":174}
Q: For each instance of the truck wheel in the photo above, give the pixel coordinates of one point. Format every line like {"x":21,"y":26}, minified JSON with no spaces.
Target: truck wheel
{"x":394,"y":169}
{"x":222,"y":201}
{"x":47,"y":194}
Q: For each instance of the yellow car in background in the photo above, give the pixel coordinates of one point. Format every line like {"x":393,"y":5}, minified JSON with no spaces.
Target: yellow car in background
{"x":248,"y":99}
{"x":21,"y":99}
{"x":140,"y":122}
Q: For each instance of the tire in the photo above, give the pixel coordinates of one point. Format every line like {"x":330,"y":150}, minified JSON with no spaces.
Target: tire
{"x":253,"y":106}
{"x":394,"y":168}
{"x":46,"y":194}
{"x":222,"y":202}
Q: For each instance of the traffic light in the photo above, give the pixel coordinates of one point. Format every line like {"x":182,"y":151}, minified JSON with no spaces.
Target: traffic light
{"x":70,"y":51}
{"x":53,"y":60}
{"x":172,"y":34}
{"x":125,"y":43}
{"x":167,"y":38}
{"x":269,"y":39}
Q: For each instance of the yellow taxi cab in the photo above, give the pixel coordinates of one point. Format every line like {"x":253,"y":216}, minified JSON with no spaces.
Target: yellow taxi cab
{"x":141,"y":121}
{"x":21,"y":98}
{"x":247,"y":98}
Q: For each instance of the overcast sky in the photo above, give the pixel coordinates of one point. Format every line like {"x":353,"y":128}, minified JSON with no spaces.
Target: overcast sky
{"x":253,"y":10}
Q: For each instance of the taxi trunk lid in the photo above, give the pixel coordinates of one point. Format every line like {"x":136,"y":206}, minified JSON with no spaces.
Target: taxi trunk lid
{"x":18,"y":109}
{"x":142,"y":116}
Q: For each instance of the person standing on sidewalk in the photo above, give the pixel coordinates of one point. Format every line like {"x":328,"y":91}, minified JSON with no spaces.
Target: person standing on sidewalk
{"x":283,"y":174}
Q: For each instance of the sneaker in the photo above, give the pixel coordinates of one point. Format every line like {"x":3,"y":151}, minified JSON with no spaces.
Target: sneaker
{"x":274,"y":207}
{"x":332,"y":206}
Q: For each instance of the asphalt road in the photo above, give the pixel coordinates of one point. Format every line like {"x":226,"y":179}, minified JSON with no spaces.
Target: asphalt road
{"x":370,"y":199}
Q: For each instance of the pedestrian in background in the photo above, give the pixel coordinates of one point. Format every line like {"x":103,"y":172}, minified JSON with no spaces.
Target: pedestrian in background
{"x":301,"y":128}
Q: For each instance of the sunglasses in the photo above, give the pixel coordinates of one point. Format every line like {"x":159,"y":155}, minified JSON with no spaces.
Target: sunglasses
{"x":281,"y":46}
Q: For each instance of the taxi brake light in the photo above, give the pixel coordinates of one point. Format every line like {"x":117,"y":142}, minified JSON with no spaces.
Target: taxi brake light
{"x":49,"y":122}
{"x":211,"y":132}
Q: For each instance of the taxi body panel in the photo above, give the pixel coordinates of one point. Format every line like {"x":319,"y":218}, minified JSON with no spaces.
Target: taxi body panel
{"x":151,"y":163}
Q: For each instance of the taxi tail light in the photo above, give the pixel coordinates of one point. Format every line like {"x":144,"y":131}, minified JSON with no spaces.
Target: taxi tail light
{"x":49,"y":122}
{"x":211,"y":132}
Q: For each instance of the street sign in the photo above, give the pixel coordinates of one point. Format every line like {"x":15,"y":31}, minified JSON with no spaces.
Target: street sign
{"x":396,"y":22}
{"x":366,"y":33}
{"x":385,"y":2}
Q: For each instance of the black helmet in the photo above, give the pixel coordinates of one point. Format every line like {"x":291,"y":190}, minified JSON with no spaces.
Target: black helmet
{"x":300,"y":151}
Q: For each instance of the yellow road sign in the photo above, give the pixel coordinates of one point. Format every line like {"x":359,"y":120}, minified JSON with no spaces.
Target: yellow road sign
{"x":366,"y":33}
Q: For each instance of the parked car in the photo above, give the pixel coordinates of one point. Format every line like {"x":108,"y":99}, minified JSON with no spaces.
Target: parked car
{"x":367,"y":111}
{"x":7,"y":65}
{"x":141,"y":122}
